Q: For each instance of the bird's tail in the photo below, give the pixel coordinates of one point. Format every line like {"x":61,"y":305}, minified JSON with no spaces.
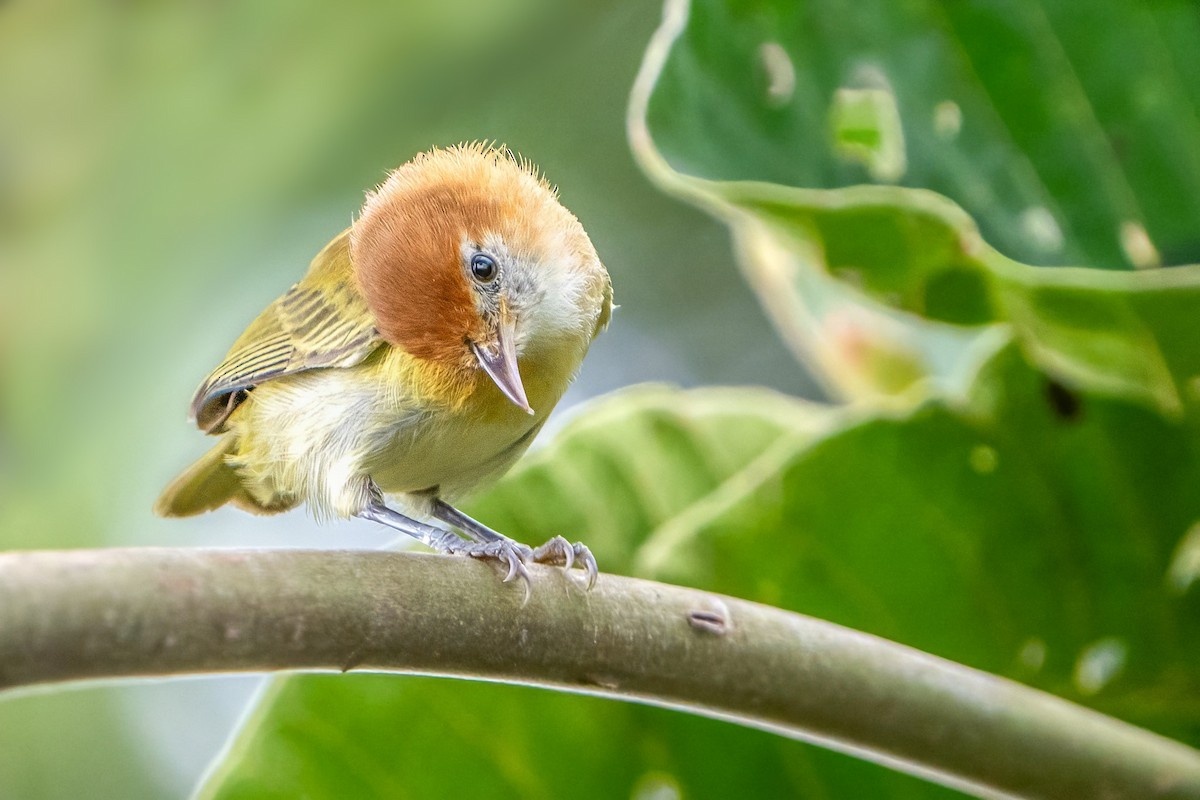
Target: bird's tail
{"x":207,"y":484}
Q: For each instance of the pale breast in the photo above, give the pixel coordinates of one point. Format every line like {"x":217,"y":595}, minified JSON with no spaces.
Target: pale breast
{"x":321,"y":437}
{"x":305,"y":437}
{"x":324,"y":436}
{"x":461,"y":448}
{"x":450,"y":453}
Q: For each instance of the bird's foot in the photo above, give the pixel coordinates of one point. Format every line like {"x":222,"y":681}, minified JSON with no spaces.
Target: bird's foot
{"x":559,"y":552}
{"x":486,"y":543}
{"x":515,"y":556}
{"x":556,"y":552}
{"x":512,"y":555}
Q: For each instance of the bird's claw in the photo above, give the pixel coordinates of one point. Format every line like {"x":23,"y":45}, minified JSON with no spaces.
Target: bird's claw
{"x":515,"y":556}
{"x":559,"y":552}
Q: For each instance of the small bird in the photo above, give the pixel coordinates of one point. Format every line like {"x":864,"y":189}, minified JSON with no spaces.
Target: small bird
{"x":416,"y":360}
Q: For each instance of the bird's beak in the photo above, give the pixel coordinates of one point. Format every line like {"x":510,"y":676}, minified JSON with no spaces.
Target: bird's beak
{"x":499,"y":360}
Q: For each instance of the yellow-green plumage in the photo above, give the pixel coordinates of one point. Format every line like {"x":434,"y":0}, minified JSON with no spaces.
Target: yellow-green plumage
{"x":207,"y":484}
{"x":322,"y":321}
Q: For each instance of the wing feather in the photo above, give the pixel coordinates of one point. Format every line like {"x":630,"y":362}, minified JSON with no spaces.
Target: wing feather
{"x":322,"y":321}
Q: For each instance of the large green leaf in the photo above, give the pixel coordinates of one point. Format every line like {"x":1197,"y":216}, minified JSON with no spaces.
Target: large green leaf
{"x":1053,"y":125}
{"x":1030,"y":532}
{"x":862,"y":279}
{"x":818,"y":129}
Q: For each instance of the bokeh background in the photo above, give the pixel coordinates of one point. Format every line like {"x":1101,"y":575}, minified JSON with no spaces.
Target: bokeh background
{"x":167,"y":169}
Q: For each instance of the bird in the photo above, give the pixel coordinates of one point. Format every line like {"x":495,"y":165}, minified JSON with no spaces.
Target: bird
{"x":413,"y":363}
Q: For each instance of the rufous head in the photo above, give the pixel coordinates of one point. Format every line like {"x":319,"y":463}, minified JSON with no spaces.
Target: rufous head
{"x":466,"y":258}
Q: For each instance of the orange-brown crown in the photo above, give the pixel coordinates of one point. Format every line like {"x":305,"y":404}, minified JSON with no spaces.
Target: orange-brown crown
{"x":407,"y":245}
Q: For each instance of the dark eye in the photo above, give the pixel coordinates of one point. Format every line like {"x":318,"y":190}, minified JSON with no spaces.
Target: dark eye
{"x":483,"y":267}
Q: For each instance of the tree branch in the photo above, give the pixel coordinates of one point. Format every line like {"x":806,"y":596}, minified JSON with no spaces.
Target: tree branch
{"x":118,"y":613}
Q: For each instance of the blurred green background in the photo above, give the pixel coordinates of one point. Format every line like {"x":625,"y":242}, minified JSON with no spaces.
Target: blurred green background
{"x":166,"y":169}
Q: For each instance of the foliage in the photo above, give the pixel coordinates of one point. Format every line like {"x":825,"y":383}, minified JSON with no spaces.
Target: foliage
{"x":1012,"y":483}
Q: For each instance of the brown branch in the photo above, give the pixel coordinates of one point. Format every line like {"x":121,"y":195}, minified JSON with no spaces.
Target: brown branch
{"x":117,"y":613}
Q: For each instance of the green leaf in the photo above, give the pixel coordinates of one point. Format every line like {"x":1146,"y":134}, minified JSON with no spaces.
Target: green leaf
{"x":381,"y":736}
{"x":1052,"y":125}
{"x":863,"y":280}
{"x":1032,"y":532}
{"x":1021,"y":138}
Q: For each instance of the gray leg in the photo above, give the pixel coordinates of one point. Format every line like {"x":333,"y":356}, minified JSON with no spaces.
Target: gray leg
{"x":557,"y":551}
{"x":505,"y":550}
{"x":431,"y":537}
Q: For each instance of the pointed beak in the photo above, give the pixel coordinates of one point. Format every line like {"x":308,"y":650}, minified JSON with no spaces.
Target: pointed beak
{"x":499,"y":360}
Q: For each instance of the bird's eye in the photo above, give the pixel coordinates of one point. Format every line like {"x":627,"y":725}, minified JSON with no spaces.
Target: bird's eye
{"x":483,"y":267}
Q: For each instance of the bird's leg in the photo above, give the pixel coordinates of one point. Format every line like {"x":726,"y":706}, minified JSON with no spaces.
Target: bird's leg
{"x":512,"y":554}
{"x":557,"y":551}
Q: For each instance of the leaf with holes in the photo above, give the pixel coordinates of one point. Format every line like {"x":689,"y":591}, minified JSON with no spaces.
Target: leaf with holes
{"x":981,"y":135}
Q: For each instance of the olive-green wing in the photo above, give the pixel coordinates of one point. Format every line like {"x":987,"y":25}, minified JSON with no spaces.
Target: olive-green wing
{"x":322,"y":321}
